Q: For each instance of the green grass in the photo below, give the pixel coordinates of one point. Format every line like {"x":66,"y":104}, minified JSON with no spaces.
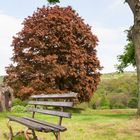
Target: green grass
{"x":89,"y":124}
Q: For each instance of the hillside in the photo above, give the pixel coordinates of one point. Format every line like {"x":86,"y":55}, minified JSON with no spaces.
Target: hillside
{"x":116,"y":91}
{"x":107,"y":76}
{"x":116,"y":75}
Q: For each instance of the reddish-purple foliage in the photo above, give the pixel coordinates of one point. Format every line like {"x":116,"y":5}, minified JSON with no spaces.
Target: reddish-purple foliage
{"x":54,"y":53}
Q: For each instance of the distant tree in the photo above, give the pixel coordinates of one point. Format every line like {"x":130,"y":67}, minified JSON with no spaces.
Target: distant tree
{"x":54,"y":53}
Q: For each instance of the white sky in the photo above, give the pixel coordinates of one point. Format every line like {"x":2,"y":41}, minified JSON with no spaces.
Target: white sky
{"x":108,"y":18}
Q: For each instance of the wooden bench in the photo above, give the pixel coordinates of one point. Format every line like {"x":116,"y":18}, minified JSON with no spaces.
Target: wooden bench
{"x":52,"y":104}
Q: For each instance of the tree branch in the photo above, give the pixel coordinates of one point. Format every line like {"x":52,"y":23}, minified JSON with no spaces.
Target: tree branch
{"x":132,"y":4}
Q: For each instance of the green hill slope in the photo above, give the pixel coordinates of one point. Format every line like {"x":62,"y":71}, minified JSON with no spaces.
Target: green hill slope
{"x":116,"y":91}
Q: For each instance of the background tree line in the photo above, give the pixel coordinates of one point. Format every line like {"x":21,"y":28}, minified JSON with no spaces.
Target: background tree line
{"x":116,"y":91}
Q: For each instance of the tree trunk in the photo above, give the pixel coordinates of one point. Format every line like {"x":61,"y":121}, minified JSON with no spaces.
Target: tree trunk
{"x":135,"y":35}
{"x":6,"y":98}
{"x":136,"y":41}
{"x":2,"y":101}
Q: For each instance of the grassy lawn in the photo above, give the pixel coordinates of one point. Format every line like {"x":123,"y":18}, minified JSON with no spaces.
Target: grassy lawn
{"x":88,"y":125}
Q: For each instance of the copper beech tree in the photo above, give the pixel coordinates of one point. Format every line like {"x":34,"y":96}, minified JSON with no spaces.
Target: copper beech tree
{"x":54,"y":53}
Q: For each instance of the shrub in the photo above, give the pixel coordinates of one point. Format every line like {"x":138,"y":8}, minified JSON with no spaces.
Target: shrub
{"x":95,"y":102}
{"x":133,"y":103}
{"x":118,"y":105}
{"x":18,"y":108}
{"x":104,"y":107}
{"x":18,"y":101}
{"x":119,"y":100}
{"x":83,"y":105}
{"x":105,"y":102}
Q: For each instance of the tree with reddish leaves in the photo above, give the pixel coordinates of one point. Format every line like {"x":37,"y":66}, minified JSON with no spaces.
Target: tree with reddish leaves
{"x":54,"y":53}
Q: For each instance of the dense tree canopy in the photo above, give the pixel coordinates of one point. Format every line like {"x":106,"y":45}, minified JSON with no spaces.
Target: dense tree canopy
{"x":54,"y":53}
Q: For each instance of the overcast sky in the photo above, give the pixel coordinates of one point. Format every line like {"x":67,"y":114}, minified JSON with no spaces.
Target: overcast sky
{"x":108,"y":18}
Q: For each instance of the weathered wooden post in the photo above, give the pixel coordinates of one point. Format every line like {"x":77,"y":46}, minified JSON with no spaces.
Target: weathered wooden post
{"x":6,"y":97}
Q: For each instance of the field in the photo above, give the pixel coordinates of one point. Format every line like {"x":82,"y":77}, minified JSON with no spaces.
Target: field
{"x":89,"y":124}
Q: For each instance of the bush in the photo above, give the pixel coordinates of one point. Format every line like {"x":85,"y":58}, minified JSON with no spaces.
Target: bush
{"x":118,"y":105}
{"x":105,"y":102}
{"x":18,"y":108}
{"x":133,"y":103}
{"x":105,"y":107}
{"x":118,"y":100}
{"x":95,"y":101}
{"x":83,"y":105}
{"x":17,"y":102}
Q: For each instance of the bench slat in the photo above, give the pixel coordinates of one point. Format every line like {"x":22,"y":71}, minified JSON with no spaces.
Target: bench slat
{"x":32,"y":124}
{"x":61,"y":128}
{"x":56,"y":96}
{"x":51,"y":112}
{"x":48,"y":103}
